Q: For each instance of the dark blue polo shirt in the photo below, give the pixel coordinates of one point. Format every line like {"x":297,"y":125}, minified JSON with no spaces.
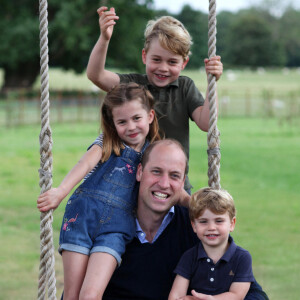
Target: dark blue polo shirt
{"x":213,"y":279}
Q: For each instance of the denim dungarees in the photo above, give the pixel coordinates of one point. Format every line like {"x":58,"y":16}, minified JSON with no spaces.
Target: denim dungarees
{"x":99,"y":216}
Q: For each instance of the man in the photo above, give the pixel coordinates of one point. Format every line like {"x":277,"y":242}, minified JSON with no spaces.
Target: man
{"x":163,"y":228}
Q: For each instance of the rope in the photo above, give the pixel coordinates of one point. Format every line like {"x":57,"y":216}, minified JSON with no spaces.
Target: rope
{"x":46,"y":270}
{"x":213,"y":132}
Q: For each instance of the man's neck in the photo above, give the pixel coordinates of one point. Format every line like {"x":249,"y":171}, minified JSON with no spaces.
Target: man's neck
{"x":149,"y":222}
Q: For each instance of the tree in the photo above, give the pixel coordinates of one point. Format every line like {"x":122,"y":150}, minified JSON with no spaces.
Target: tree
{"x":196,"y":23}
{"x":250,"y":42}
{"x":19,"y":46}
{"x":73,"y":30}
{"x":224,"y":21}
{"x":289,"y":36}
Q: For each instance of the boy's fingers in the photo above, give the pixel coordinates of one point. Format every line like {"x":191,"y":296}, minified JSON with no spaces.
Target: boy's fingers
{"x":101,"y":10}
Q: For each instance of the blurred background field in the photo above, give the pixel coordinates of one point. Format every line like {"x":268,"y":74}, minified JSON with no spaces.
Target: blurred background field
{"x":259,"y":166}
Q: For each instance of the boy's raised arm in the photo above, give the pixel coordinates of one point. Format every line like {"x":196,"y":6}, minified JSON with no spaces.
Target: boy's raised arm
{"x":96,"y":71}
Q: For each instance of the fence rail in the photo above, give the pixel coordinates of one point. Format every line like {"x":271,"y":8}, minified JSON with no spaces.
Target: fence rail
{"x":23,"y":107}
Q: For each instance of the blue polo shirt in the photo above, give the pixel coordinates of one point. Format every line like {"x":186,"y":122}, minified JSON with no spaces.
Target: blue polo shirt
{"x":213,"y":279}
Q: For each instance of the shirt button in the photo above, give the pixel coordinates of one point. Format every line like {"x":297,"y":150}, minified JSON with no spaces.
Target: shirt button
{"x":211,"y":280}
{"x":208,"y":260}
{"x":212,"y":269}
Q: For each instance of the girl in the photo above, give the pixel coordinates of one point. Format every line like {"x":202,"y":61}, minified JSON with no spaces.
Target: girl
{"x":99,"y":219}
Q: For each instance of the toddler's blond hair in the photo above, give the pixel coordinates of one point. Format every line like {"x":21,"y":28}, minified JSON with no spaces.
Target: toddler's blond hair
{"x":217,"y":201}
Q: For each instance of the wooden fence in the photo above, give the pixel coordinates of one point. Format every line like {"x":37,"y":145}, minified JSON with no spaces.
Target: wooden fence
{"x":23,"y":107}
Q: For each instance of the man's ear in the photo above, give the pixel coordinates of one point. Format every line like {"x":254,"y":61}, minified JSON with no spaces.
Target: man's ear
{"x":139,"y":172}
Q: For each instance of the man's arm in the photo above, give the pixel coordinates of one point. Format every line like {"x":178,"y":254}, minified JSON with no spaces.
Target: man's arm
{"x":96,"y":71}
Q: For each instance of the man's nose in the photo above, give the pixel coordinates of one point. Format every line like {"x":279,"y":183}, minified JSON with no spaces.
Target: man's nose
{"x":164,"y":181}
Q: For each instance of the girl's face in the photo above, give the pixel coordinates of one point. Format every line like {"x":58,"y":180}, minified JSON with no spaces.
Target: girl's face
{"x":132,"y":123}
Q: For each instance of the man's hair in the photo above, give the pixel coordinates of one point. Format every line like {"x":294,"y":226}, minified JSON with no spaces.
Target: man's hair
{"x":117,"y":96}
{"x":217,"y":201}
{"x":171,"y":33}
{"x":166,"y":142}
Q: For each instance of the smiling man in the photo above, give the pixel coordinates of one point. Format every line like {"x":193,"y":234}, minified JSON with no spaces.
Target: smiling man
{"x":163,"y":230}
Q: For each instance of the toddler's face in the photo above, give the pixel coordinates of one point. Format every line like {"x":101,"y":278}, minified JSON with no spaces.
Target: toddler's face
{"x":162,"y":65}
{"x":213,"y":229}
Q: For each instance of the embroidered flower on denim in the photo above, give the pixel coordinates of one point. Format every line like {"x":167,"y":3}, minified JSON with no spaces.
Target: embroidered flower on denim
{"x":67,"y":222}
{"x":130,"y":168}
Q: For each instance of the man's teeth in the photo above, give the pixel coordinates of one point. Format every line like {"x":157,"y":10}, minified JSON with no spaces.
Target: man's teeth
{"x":160,"y":195}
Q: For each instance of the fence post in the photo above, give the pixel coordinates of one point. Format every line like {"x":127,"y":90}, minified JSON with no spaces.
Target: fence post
{"x":247,"y":103}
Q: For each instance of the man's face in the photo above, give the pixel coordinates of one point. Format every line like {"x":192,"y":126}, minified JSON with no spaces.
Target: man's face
{"x":161,"y":179}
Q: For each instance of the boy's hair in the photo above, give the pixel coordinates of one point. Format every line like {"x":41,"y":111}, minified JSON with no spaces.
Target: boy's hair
{"x":168,"y":141}
{"x":117,"y":96}
{"x":217,"y":201}
{"x":171,"y":34}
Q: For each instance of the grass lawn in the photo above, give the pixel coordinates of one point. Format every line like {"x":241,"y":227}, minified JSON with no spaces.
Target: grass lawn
{"x":259,"y":167}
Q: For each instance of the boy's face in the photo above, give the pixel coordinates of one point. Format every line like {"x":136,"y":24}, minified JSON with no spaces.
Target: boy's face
{"x":162,"y":66}
{"x":212,"y":229}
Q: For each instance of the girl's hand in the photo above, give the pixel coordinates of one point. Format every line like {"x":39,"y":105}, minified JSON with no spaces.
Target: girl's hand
{"x":107,"y":21}
{"x":214,"y":66}
{"x":50,"y":199}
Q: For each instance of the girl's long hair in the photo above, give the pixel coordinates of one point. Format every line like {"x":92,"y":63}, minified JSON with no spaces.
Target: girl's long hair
{"x":120,"y":94}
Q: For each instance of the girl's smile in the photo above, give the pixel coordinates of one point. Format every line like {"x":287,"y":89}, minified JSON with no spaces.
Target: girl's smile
{"x":132,"y":122}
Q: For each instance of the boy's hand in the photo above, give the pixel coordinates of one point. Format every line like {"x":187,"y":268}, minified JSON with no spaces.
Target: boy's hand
{"x":214,"y":66}
{"x":107,"y":21}
{"x":50,"y":199}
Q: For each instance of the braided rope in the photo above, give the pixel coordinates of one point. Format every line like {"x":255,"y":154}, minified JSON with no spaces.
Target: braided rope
{"x":46,"y":270}
{"x":213,"y":132}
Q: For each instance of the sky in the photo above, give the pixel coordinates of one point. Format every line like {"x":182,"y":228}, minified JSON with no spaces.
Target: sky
{"x":174,"y":6}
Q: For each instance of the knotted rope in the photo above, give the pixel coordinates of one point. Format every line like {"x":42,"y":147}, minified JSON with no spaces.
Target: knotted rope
{"x":46,"y":271}
{"x":213,"y":132}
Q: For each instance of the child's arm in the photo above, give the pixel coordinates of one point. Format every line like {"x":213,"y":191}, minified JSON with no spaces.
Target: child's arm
{"x":237,"y":291}
{"x":53,"y":197}
{"x":96,"y":71}
{"x":200,"y":115}
{"x":179,"y":288}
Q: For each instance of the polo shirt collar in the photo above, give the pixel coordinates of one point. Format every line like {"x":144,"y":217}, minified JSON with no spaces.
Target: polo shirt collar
{"x":174,"y":83}
{"x":227,"y":255}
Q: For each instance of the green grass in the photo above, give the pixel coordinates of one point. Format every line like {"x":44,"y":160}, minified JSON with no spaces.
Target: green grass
{"x":259,"y":167}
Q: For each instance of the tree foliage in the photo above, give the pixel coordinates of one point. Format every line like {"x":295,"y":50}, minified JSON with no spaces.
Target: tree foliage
{"x":251,"y":42}
{"x":73,"y":30}
{"x":266,"y":35}
{"x":196,"y":23}
{"x":290,"y":36}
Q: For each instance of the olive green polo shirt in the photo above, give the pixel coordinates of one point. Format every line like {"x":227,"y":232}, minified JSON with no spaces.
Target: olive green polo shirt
{"x":174,"y":105}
